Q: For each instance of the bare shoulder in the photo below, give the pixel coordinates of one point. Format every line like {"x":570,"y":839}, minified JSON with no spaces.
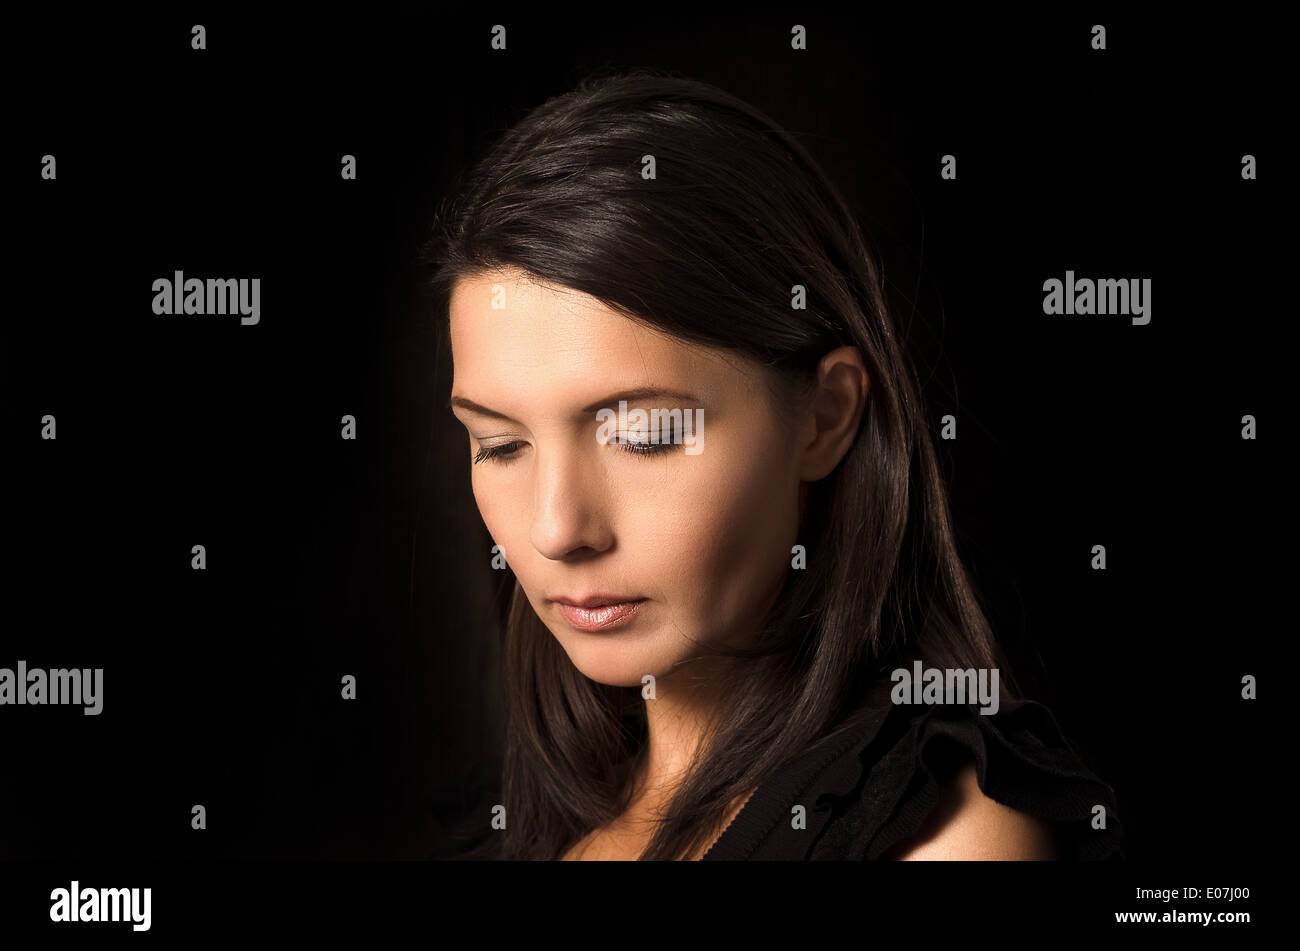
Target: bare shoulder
{"x":968,"y":825}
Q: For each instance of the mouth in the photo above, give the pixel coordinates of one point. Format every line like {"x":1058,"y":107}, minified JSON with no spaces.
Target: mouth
{"x":599,"y":612}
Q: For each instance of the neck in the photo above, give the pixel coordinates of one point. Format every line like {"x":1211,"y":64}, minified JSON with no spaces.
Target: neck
{"x":676,"y":721}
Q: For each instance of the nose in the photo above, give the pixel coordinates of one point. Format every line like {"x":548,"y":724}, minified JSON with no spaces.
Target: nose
{"x":569,"y":512}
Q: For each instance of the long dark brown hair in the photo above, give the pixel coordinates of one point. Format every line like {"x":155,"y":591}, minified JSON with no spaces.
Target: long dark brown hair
{"x":708,"y":250}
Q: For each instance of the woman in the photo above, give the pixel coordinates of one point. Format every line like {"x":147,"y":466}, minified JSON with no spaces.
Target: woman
{"x":713,"y":596}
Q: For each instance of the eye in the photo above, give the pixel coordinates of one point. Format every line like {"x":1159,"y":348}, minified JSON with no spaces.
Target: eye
{"x":639,"y":442}
{"x":499,"y":454}
{"x":641,"y":446}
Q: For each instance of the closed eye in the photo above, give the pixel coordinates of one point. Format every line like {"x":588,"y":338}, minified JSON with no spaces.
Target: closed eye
{"x":502,"y":453}
{"x":640,"y":444}
{"x":636,"y":445}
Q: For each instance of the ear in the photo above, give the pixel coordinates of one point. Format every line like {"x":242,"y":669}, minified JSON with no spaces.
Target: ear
{"x":834,"y":412}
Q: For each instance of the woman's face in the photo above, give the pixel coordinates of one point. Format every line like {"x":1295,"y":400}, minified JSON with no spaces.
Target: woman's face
{"x":702,"y":534}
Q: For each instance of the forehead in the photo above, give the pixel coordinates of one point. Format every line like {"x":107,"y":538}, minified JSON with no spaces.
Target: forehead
{"x":515,"y":312}
{"x":513,"y":335}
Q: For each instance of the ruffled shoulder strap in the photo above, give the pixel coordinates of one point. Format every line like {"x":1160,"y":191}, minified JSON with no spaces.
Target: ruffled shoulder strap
{"x":886,"y":791}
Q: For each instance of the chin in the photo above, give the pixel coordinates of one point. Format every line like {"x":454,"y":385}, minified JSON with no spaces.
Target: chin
{"x":614,"y":661}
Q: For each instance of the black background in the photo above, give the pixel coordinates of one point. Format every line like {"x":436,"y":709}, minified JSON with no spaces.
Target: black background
{"x":328,"y":557}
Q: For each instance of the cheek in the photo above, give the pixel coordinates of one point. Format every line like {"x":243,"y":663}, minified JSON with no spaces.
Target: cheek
{"x":722,"y":539}
{"x":500,"y":514}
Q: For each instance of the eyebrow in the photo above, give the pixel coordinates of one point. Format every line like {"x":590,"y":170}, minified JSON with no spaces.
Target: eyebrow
{"x":639,"y":393}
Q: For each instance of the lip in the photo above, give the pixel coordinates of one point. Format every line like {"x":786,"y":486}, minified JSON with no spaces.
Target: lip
{"x":599,"y":612}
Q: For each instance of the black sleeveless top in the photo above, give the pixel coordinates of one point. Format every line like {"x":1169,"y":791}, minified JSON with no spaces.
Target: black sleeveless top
{"x":877,"y":781}
{"x":877,"y":784}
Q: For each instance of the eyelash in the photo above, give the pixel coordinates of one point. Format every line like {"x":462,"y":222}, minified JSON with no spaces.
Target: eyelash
{"x":505,"y":452}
